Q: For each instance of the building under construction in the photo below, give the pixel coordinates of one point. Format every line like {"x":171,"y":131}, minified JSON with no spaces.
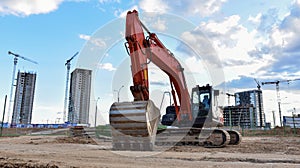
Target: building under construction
{"x":79,"y":99}
{"x":24,"y":95}
{"x":247,"y":112}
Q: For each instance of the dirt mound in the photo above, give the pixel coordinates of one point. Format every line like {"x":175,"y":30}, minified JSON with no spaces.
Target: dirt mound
{"x":18,"y":163}
{"x":75,"y":140}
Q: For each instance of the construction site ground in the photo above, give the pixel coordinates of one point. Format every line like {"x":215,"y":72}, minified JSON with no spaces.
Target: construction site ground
{"x":70,"y":152}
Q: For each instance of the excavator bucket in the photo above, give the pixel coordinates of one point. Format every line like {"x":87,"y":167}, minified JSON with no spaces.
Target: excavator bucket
{"x":134,"y":125}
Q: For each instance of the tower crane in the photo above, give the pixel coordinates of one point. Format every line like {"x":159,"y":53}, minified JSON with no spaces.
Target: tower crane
{"x":16,"y":56}
{"x":288,"y":81}
{"x":259,"y":96}
{"x":258,"y":85}
{"x":278,"y":94}
{"x":68,"y":64}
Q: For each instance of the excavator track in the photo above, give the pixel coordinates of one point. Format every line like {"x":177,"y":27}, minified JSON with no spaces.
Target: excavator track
{"x":218,"y":138}
{"x":235,"y":137}
{"x":210,"y":138}
{"x":134,"y":125}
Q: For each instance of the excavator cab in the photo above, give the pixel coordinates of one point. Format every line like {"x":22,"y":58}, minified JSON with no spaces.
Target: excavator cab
{"x":201,"y":101}
{"x":204,"y":106}
{"x":205,"y":109}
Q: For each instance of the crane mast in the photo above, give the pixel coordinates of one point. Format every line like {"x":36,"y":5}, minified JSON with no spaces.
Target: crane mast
{"x":259,"y":101}
{"x":12,"y":87}
{"x":68,"y":64}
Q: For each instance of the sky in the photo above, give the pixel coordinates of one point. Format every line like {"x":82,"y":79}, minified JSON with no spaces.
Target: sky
{"x":245,"y":40}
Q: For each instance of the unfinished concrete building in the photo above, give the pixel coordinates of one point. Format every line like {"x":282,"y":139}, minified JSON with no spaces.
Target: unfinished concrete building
{"x":24,"y":96}
{"x":248,"y":110}
{"x":79,"y":99}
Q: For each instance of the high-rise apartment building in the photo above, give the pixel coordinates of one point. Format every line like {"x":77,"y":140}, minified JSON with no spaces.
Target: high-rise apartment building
{"x":79,"y":99}
{"x":24,"y":96}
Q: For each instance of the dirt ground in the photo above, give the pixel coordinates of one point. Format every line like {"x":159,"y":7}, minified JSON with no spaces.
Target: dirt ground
{"x":59,"y":151}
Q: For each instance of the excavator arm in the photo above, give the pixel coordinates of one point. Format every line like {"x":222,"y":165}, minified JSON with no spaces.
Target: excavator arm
{"x":151,"y":48}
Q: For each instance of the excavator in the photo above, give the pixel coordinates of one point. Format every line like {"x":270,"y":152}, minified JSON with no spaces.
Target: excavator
{"x":191,"y":120}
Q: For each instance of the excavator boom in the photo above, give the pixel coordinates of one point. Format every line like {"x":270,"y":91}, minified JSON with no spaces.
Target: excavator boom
{"x":136,"y":122}
{"x":152,"y":48}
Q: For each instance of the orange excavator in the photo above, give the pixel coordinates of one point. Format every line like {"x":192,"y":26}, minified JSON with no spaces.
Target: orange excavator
{"x":135,"y":124}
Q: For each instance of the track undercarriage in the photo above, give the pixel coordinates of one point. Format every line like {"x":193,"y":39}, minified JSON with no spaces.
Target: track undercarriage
{"x":134,"y":127}
{"x":193,"y":136}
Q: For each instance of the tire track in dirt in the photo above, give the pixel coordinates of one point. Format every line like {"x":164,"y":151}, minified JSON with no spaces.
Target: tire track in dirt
{"x":249,"y":160}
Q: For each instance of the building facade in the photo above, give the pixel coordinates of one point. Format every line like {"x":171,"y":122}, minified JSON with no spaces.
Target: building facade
{"x":252,"y":98}
{"x":79,"y":99}
{"x":24,"y":96}
{"x":248,"y":110}
{"x":241,"y":116}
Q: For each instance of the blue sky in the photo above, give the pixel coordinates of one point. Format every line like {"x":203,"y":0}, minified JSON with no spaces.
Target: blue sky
{"x":252,"y":39}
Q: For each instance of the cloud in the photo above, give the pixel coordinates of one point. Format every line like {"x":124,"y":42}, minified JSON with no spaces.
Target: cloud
{"x":268,"y":20}
{"x":280,"y":40}
{"x":109,"y":1}
{"x":28,"y":7}
{"x":226,"y":41}
{"x":255,"y":20}
{"x":289,"y":29}
{"x":192,"y":7}
{"x":195,"y":39}
{"x":77,"y":0}
{"x":95,"y":41}
{"x":159,"y":25}
{"x":31,"y":7}
{"x":106,"y":66}
{"x":122,"y":13}
{"x":84,"y":37}
{"x":244,"y":82}
{"x":159,"y":6}
{"x":269,"y":50}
